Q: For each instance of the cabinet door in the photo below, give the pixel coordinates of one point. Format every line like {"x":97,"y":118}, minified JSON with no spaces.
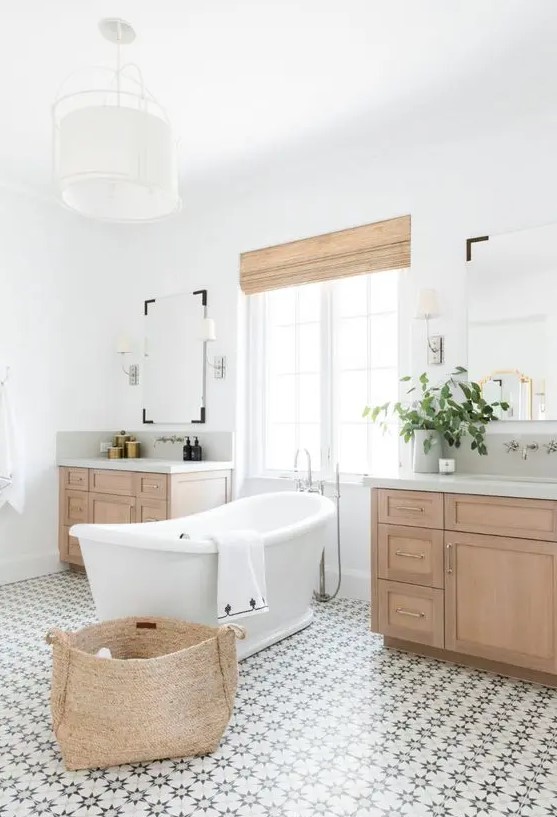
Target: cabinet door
{"x":69,"y":547}
{"x":73,"y":507}
{"x":501,"y":599}
{"x":193,"y":493}
{"x":150,"y":510}
{"x":111,"y":510}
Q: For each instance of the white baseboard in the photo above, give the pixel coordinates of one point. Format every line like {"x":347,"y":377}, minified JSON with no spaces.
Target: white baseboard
{"x":29,"y":566}
{"x":355,"y":584}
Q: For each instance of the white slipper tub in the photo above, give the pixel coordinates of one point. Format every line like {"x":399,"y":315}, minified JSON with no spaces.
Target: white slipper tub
{"x":147,"y":570}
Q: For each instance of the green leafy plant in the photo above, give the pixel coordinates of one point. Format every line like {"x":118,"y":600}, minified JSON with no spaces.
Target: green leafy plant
{"x":455,"y":409}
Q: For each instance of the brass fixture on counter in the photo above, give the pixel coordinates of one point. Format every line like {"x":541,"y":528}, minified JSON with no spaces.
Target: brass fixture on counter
{"x":129,"y":445}
{"x":121,"y":439}
{"x":132,"y":449}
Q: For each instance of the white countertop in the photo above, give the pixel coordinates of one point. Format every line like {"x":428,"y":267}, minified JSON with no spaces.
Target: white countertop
{"x":146,"y":465}
{"x":485,"y":484}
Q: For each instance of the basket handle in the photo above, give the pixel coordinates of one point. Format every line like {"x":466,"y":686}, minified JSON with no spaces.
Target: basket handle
{"x":55,"y":636}
{"x":225,"y":663}
{"x":61,"y":644}
{"x":240,"y":632}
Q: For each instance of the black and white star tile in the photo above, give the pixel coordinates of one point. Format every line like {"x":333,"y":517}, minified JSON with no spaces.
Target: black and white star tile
{"x":327,"y":723}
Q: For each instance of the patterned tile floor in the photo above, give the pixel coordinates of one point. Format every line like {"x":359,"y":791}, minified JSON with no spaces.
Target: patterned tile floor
{"x":327,"y":723}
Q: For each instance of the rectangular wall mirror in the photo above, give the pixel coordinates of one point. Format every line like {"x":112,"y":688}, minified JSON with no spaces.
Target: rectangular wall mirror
{"x":512,"y":321}
{"x":174,"y":369}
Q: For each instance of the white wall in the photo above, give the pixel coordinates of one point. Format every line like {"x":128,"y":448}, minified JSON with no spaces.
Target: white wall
{"x":68,"y":287}
{"x":184,"y":254}
{"x":489,"y":184}
{"x":60,"y":303}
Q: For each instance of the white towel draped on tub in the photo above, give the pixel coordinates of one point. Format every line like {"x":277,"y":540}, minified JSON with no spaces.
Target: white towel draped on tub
{"x":241,"y":589}
{"x":12,"y":486}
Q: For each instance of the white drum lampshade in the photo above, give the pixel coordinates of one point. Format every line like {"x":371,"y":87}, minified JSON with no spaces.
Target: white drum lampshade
{"x":428,"y":304}
{"x":114,"y":154}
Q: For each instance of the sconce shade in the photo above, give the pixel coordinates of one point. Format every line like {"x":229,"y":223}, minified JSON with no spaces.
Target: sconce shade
{"x":428,"y":304}
{"x":208,"y":330}
{"x":123,"y":346}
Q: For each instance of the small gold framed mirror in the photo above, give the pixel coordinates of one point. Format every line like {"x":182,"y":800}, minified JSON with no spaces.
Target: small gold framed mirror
{"x":509,"y":386}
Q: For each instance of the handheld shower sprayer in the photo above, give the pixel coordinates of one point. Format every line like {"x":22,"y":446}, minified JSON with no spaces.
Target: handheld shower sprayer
{"x":322,"y":595}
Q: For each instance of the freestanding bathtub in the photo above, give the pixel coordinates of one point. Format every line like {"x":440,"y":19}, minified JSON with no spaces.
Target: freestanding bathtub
{"x":147,"y":570}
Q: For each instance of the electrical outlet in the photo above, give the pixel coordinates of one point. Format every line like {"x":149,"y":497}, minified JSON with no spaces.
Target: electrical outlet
{"x":104,"y":446}
{"x":134,"y":374}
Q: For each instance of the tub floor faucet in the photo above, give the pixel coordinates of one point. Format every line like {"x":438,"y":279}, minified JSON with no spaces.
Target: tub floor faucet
{"x":303,"y":484}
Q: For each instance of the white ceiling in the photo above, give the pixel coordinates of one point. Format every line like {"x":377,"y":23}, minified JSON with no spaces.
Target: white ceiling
{"x":247,"y":78}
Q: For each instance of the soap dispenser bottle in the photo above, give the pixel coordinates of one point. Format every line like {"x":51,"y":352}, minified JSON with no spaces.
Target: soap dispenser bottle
{"x":196,"y":451}
{"x":187,"y":450}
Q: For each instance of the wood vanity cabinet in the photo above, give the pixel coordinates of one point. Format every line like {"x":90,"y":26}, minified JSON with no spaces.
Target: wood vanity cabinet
{"x":115,"y":497}
{"x":478,"y":585}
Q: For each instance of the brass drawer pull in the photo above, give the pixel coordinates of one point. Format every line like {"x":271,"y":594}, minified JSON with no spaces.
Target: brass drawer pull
{"x":413,"y":613}
{"x":151,"y":485}
{"x":449,"y":557}
{"x":409,"y":555}
{"x":414,"y":508}
{"x":150,"y":519}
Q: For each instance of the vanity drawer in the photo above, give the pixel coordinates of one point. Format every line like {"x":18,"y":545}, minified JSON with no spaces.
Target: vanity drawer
{"x":151,"y":510}
{"x":411,"y":613}
{"x":69,"y":547}
{"x":423,"y":509}
{"x":77,"y":478}
{"x":411,"y":555}
{"x":112,"y":482}
{"x":74,"y":507}
{"x":503,"y":516}
{"x":151,"y":486}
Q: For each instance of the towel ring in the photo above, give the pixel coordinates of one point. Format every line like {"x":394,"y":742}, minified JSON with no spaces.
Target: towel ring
{"x":5,"y":376}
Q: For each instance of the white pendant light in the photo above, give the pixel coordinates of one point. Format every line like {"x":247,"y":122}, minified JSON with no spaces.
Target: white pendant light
{"x":114,"y":153}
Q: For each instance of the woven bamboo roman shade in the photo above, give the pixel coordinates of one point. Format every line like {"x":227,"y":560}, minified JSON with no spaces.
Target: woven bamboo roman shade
{"x":357,"y":251}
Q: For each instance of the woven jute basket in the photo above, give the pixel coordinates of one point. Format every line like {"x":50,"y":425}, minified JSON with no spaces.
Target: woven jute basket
{"x":168,"y":690}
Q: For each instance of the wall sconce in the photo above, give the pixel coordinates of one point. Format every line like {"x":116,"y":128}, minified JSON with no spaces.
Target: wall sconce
{"x":428,"y":307}
{"x":208,"y":334}
{"x":124,"y":347}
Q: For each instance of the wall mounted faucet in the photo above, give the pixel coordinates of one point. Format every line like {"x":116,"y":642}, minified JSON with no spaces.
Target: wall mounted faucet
{"x":514,"y":445}
{"x":528,"y":447}
{"x":173,"y":439}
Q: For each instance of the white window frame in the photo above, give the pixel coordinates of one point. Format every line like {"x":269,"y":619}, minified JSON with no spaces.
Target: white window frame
{"x":256,"y":407}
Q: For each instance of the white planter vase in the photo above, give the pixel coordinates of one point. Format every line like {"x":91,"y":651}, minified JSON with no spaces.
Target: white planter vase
{"x":423,"y":463}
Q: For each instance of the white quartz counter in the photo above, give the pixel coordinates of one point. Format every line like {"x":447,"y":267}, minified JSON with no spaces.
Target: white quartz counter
{"x":146,"y":465}
{"x":486,"y":484}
